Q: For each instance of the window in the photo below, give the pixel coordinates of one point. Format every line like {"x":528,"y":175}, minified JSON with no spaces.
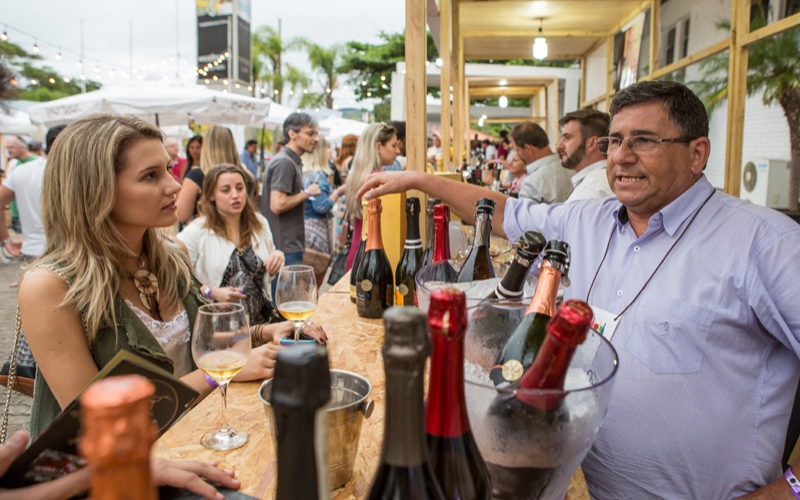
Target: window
{"x":670,"y":57}
{"x":759,"y":9}
{"x":792,"y":7}
{"x":685,"y":39}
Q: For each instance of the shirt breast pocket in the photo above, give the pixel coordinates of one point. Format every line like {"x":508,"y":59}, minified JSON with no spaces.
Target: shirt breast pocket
{"x":669,"y":335}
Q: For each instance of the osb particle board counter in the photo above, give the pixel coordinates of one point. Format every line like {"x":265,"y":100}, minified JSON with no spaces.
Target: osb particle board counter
{"x":354,"y":344}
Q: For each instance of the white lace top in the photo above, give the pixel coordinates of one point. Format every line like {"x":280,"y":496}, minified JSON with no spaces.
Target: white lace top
{"x":172,"y":335}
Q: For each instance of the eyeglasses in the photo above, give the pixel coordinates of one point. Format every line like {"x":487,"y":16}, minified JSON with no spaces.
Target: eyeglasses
{"x":637,"y":143}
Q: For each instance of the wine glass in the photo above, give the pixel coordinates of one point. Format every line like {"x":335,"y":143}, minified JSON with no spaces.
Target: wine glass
{"x":296,"y":295}
{"x":221,"y":348}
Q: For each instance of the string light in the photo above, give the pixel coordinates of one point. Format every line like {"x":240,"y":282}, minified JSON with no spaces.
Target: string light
{"x":4,"y":36}
{"x":58,"y":56}
{"x":35,"y":46}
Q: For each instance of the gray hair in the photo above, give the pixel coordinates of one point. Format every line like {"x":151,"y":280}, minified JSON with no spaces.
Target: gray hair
{"x":684,"y":109}
{"x":297,"y":121}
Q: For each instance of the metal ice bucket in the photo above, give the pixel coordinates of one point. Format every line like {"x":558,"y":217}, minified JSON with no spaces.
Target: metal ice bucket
{"x":346,"y":411}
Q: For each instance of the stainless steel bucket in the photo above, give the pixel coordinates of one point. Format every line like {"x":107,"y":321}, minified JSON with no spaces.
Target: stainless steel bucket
{"x":346,"y":411}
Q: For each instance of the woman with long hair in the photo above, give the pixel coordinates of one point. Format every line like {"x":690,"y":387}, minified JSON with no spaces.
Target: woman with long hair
{"x":218,"y":147}
{"x":109,"y":280}
{"x":344,"y":156}
{"x":318,"y":208}
{"x":194,"y":149}
{"x":376,"y":149}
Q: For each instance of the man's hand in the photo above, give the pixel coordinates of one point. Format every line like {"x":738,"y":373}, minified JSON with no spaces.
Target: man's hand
{"x":192,"y":476}
{"x":313,"y":189}
{"x":274,"y":262}
{"x":61,"y":488}
{"x":389,"y":182}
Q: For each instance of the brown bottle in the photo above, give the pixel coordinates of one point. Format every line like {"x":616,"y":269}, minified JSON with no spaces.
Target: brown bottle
{"x":118,"y":432}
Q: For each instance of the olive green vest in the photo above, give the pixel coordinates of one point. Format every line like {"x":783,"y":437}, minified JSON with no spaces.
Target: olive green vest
{"x":130,"y":335}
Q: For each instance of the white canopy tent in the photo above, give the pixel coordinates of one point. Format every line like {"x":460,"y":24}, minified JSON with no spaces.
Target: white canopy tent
{"x":16,"y":122}
{"x":334,"y":128}
{"x":158,"y":103}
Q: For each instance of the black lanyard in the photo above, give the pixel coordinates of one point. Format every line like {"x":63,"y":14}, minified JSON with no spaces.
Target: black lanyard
{"x":608,"y":245}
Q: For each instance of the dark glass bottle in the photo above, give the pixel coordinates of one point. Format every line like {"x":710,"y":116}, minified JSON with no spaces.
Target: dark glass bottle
{"x":301,"y":388}
{"x":528,"y":247}
{"x":521,"y":348}
{"x":405,"y":288}
{"x":430,"y":235}
{"x":512,"y":412}
{"x":441,"y":251}
{"x":478,"y":264}
{"x":404,"y":472}
{"x":454,"y":456}
{"x":362,"y":247}
{"x":374,"y":280}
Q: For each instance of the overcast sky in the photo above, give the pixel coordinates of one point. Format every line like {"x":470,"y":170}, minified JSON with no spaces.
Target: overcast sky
{"x":56,"y":26}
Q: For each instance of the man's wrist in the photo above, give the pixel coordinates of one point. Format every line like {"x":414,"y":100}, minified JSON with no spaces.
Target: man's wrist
{"x":794,"y":483}
{"x":207,"y":292}
{"x":307,"y":192}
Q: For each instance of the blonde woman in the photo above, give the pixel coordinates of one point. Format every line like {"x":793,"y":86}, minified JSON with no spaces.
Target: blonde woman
{"x":218,"y":147}
{"x":317,"y":209}
{"x":376,"y":149}
{"x":108,"y":280}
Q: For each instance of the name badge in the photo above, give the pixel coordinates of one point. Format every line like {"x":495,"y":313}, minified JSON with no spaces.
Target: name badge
{"x":604,"y":323}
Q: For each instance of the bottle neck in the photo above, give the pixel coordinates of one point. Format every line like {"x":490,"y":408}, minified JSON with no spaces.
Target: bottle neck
{"x":403,"y":432}
{"x":298,"y":449}
{"x":430,"y":232}
{"x":483,"y":229}
{"x":446,"y":411}
{"x":374,"y":240}
{"x":544,"y":298}
{"x":364,"y":226}
{"x":412,"y":231}
{"x":548,"y":371}
{"x":442,"y":249}
{"x":513,"y":284}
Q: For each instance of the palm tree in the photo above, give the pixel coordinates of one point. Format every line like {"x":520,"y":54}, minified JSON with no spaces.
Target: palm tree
{"x":268,"y":65}
{"x":325,"y":61}
{"x":774,"y":69}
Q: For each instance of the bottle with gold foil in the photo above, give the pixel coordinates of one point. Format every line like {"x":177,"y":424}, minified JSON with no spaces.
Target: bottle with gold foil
{"x":521,"y":348}
{"x":362,"y":247}
{"x":374,"y":279}
{"x":411,"y":260}
{"x":117,"y":434}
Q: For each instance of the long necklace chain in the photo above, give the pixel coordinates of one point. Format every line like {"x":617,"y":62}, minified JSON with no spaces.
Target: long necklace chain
{"x":608,"y":245}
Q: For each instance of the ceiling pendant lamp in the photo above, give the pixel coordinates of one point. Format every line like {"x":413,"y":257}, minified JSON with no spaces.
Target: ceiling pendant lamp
{"x":540,"y":44}
{"x":503,"y":101}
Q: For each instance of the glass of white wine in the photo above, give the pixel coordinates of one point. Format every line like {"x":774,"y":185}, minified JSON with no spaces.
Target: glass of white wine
{"x":296,"y":295}
{"x":221,"y":348}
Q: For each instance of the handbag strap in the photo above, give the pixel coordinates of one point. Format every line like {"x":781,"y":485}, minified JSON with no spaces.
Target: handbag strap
{"x":12,"y":375}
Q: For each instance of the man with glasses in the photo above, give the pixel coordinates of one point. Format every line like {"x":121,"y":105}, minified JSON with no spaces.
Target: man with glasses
{"x":698,"y":292}
{"x":579,"y":152}
{"x":283,"y":197}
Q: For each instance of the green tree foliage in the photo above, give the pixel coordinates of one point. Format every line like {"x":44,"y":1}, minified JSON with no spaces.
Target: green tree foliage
{"x":774,"y":71}
{"x":370,"y":66}
{"x":268,"y":66}
{"x":325,"y":62}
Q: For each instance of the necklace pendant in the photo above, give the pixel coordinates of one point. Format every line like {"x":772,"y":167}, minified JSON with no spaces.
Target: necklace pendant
{"x":144,"y":300}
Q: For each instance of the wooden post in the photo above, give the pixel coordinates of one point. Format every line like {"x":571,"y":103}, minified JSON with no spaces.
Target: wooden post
{"x":609,"y":71}
{"x":655,"y":33}
{"x":416,"y":55}
{"x":457,"y":82}
{"x":737,"y":93}
{"x":445,"y":52}
{"x":582,"y":98}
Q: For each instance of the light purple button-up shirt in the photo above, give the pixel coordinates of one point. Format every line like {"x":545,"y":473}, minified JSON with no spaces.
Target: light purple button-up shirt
{"x":709,"y":351}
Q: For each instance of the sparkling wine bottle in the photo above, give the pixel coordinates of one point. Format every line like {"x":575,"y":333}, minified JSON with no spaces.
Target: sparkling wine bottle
{"x":118,"y":433}
{"x":454,"y":456}
{"x":513,"y":413}
{"x":300,"y":390}
{"x":374,"y":280}
{"x":478,"y":264}
{"x":528,"y":247}
{"x":362,"y":247}
{"x":404,"y":471}
{"x":521,"y":348}
{"x":405,"y":287}
{"x":441,"y":253}
{"x":430,"y":234}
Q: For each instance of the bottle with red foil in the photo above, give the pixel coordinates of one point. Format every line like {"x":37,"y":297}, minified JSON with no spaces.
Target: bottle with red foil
{"x":117,"y":434}
{"x":454,"y":456}
{"x":444,"y":272}
{"x":375,"y":277}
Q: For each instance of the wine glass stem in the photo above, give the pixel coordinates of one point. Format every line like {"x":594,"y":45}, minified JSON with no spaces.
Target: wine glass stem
{"x":296,"y":332}
{"x":223,"y":389}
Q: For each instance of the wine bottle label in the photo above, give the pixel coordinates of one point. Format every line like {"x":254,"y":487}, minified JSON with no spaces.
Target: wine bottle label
{"x":403,"y":289}
{"x":512,"y":370}
{"x":366,"y":285}
{"x":398,"y":298}
{"x":413,"y":244}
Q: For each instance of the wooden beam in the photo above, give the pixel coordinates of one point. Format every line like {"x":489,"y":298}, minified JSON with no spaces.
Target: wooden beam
{"x":512,"y":119}
{"x":769,"y":30}
{"x":690,"y":59}
{"x":582,"y":95}
{"x":655,"y":33}
{"x":737,"y":94}
{"x":532,"y":33}
{"x":416,"y":90}
{"x":445,"y":52}
{"x":628,"y":18}
{"x":592,"y":102}
{"x":596,"y":45}
{"x":609,"y":69}
{"x":508,"y":91}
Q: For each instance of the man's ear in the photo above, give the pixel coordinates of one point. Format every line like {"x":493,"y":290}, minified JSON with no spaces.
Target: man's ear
{"x":700,"y":149}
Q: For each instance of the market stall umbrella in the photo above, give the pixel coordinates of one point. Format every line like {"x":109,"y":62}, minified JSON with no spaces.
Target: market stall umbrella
{"x":157,"y":103}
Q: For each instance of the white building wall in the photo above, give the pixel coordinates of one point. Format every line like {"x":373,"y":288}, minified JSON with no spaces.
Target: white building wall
{"x":596,"y":73}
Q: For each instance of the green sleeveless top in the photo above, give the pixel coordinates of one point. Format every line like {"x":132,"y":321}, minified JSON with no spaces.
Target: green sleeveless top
{"x":130,"y":335}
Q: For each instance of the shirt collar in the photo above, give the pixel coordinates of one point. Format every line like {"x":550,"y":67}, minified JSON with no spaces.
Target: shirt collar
{"x":537,"y":164}
{"x":294,"y":156}
{"x":578,"y":178}
{"x":674,"y":214}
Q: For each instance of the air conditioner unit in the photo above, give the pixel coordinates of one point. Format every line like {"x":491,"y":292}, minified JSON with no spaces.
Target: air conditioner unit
{"x":765,"y":182}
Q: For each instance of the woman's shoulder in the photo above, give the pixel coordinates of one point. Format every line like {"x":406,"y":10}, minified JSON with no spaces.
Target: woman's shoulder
{"x":44,"y":286}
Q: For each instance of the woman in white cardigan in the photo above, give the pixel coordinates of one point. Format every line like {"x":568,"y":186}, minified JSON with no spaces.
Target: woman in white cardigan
{"x":233,"y":254}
